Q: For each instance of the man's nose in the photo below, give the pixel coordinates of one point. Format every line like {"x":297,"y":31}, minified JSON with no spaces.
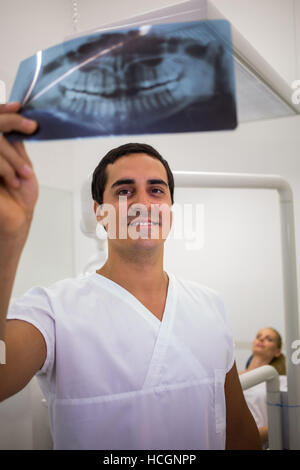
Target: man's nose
{"x":141,"y":204}
{"x":142,"y":197}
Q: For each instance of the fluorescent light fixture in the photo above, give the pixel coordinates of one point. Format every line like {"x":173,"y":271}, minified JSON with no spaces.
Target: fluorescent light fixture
{"x":261,"y":93}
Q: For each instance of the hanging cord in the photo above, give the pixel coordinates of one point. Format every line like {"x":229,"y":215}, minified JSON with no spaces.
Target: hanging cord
{"x":296,"y":69}
{"x":75,"y":15}
{"x":297,"y":63}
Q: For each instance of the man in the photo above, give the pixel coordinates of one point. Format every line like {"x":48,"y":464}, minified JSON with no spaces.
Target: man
{"x":128,"y":357}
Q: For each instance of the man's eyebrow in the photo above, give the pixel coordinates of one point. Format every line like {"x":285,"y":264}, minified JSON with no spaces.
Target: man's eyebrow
{"x":132,"y":181}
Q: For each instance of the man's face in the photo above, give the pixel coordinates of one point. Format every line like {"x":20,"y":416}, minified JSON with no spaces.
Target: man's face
{"x":137,"y":202}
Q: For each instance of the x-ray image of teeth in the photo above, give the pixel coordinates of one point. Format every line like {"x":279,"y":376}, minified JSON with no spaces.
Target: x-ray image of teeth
{"x":150,"y":79}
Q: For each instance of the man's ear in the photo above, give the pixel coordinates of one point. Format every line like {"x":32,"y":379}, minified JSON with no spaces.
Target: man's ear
{"x":95,"y":207}
{"x":99,"y":214}
{"x":97,"y":210}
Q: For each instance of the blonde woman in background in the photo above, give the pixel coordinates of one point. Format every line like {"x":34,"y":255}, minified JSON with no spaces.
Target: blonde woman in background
{"x":266,"y":350}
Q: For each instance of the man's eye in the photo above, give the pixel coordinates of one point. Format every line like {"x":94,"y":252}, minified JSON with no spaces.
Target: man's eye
{"x":125,"y":192}
{"x":157,"y":189}
{"x":122,"y":193}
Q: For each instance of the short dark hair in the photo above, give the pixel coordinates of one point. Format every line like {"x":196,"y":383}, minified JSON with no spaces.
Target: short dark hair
{"x":100,"y":176}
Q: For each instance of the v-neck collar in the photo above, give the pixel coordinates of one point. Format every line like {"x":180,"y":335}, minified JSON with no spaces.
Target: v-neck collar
{"x":127,"y":296}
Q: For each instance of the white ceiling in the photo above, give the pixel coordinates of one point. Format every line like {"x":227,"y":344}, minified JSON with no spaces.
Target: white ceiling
{"x":271,"y":26}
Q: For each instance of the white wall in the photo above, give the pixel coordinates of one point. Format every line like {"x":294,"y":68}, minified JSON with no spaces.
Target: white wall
{"x":24,"y":420}
{"x":48,"y":253}
{"x":241,"y":256}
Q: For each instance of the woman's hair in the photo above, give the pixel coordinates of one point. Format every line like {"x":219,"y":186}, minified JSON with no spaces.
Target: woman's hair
{"x":277,"y":362}
{"x":100,"y":175}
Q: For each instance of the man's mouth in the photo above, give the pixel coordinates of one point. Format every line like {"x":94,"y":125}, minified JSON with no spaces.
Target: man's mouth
{"x":143,"y":223}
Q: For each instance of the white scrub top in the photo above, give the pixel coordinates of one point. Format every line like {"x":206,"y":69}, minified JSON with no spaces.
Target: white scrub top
{"x":116,"y":377}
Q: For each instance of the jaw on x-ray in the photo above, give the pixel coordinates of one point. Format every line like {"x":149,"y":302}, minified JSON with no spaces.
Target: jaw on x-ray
{"x":150,"y":79}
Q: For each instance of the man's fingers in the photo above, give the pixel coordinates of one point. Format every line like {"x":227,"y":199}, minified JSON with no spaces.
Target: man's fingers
{"x":16,"y":122}
{"x":11,"y":121}
{"x":20,"y":149}
{"x":16,"y":160}
{"x":10,"y":107}
{"x":8,"y":174}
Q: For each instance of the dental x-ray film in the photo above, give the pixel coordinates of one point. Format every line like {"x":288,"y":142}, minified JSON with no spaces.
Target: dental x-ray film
{"x":161,"y":78}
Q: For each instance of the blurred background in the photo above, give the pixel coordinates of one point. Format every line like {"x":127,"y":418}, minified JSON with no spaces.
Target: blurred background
{"x":240,"y":256}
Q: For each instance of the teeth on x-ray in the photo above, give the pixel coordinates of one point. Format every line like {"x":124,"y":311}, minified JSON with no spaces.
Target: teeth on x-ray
{"x":148,"y":83}
{"x":131,"y":83}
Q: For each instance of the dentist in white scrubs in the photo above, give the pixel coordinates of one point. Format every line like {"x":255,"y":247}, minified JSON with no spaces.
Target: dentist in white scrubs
{"x":129,"y":356}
